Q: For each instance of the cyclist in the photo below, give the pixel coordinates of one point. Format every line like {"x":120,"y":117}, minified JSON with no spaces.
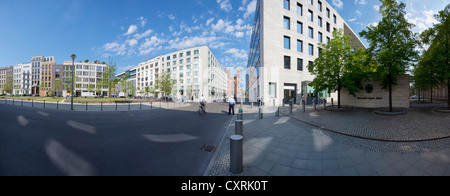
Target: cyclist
{"x":203,"y":103}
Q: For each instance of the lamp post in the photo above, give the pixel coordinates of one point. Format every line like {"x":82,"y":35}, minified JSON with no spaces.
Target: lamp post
{"x":73,"y":73}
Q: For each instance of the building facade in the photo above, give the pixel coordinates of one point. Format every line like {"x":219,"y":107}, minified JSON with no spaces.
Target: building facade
{"x":6,"y":73}
{"x":285,"y":42}
{"x":194,"y":71}
{"x":88,"y":76}
{"x":36,"y":68}
{"x":47,"y":77}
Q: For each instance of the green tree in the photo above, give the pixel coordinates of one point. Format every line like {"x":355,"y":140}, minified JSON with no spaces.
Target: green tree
{"x":392,"y":44}
{"x":164,"y":83}
{"x":147,"y":90}
{"x":109,"y":80}
{"x":438,"y":54}
{"x":338,"y":66}
{"x":58,"y":87}
{"x":90,"y":88}
{"x":9,"y":85}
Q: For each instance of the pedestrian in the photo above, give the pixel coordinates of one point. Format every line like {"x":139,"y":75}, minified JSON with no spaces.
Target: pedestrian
{"x":231,"y":104}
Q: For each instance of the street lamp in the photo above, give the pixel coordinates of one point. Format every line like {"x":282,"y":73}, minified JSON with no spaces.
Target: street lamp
{"x":73,"y":73}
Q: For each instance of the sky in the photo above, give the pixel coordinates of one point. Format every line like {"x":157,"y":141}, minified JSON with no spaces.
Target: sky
{"x":130,"y":30}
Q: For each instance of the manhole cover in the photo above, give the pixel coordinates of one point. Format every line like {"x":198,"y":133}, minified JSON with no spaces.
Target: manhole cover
{"x":209,"y":148}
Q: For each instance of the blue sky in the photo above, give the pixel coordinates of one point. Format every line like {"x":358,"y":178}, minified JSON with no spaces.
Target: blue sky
{"x":130,"y":30}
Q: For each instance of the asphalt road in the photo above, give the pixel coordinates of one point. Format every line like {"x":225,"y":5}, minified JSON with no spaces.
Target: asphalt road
{"x":150,"y":143}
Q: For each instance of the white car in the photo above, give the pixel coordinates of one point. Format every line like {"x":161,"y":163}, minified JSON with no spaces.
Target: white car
{"x":88,"y":95}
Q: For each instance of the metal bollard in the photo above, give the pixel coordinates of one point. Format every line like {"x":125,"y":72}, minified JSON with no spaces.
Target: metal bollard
{"x":324,"y":104}
{"x":332,"y":103}
{"x":151,"y":104}
{"x":314,"y":104}
{"x":44,"y":103}
{"x":303,"y":106}
{"x":140,"y":105}
{"x":236,"y":154}
{"x":277,"y":114}
{"x":86,"y":106}
{"x":240,"y":115}
{"x":239,"y":127}
{"x":261,"y":115}
{"x":290,"y":106}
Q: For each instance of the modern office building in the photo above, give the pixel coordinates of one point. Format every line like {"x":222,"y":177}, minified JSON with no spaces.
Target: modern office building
{"x":285,"y":39}
{"x":87,"y":77}
{"x":36,"y":68}
{"x":5,"y":72}
{"x":195,"y":72}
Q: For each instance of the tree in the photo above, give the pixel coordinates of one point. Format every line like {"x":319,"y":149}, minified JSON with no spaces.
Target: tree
{"x":164,"y":83}
{"x":58,"y":86}
{"x":9,"y":85}
{"x":109,"y":80}
{"x":147,"y":90}
{"x":438,"y":54}
{"x":392,"y":44}
{"x":338,"y":66}
{"x":90,"y":88}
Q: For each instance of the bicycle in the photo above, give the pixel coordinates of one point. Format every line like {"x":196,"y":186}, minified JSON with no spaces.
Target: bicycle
{"x":201,"y":110}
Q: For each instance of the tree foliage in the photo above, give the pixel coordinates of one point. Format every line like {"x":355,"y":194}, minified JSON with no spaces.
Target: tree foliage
{"x":164,"y":83}
{"x":392,"y":44}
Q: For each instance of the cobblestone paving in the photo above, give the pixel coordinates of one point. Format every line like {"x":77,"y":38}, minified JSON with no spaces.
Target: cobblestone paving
{"x":416,"y":125}
{"x":283,"y":146}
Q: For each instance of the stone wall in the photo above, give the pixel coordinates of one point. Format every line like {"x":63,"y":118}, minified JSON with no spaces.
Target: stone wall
{"x":373,"y":96}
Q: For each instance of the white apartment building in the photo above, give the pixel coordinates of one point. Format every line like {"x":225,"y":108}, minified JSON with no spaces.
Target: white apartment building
{"x":195,"y":72}
{"x":285,"y":39}
{"x":21,"y":76}
{"x":87,"y":76}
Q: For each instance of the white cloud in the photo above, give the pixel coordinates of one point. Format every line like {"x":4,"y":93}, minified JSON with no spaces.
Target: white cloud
{"x":142,"y":20}
{"x":171,"y":16}
{"x":209,"y":21}
{"x":238,"y":54}
{"x":225,"y":5}
{"x":362,"y":2}
{"x":338,"y":3}
{"x":251,"y":8}
{"x":132,"y":42}
{"x":139,"y":36}
{"x":131,"y":30}
{"x":358,"y":13}
{"x":193,"y":41}
{"x":351,"y":20}
{"x":376,"y":7}
{"x":151,"y":44}
{"x":228,"y":27}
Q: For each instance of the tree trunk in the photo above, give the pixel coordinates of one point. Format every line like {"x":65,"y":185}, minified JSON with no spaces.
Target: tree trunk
{"x":339,"y":96}
{"x":448,"y":93}
{"x":431,"y":96}
{"x":390,"y":95}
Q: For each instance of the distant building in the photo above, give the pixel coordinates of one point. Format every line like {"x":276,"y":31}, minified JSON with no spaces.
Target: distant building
{"x":87,"y":77}
{"x":5,"y":72}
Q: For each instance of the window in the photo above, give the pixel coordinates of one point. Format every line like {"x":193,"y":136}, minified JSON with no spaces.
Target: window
{"x":272,"y":90}
{"x":299,"y":46}
{"x":286,"y":4}
{"x":311,"y":15}
{"x":181,"y":55}
{"x":174,"y":56}
{"x":320,"y":5}
{"x":299,"y":27}
{"x":311,"y":50}
{"x":310,"y":66}
{"x":319,"y":21}
{"x":286,"y":23}
{"x":300,"y":64}
{"x":320,"y":37}
{"x":328,"y":27}
{"x":311,"y":32}
{"x":196,"y":51}
{"x":328,"y":13}
{"x":311,"y":2}
{"x":328,"y":40}
{"x":188,"y":53}
{"x":287,"y":42}
{"x":334,"y":19}
{"x":287,"y":62}
{"x":168,"y":58}
{"x":299,"y":9}
{"x":196,"y":59}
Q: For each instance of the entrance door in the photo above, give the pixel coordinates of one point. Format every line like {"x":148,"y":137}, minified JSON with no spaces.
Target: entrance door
{"x":290,"y":92}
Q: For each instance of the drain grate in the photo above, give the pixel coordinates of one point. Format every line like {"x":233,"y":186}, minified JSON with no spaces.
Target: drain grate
{"x":209,"y":148}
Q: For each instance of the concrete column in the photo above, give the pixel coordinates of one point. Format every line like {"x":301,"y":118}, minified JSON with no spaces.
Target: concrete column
{"x":261,"y":115}
{"x":290,"y":107}
{"x":236,"y":154}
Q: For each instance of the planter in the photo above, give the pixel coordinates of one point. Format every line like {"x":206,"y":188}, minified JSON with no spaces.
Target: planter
{"x":395,"y":111}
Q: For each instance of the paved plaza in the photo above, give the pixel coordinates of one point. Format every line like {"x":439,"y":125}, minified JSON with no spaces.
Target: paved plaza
{"x":283,"y":145}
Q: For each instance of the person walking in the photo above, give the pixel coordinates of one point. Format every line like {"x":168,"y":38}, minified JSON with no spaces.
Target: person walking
{"x":231,"y":104}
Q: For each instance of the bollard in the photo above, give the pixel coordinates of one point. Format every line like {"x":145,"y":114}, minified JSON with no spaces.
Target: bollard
{"x":314,"y":104}
{"x":116,"y":106}
{"x":303,"y":106}
{"x":140,"y":105}
{"x":283,"y":103}
{"x":261,"y":115}
{"x":44,"y":103}
{"x":86,"y":106}
{"x":5,"y":101}
{"x":239,"y":127}
{"x":277,"y":114}
{"x":324,"y":104}
{"x":332,"y":103}
{"x":236,"y":154}
{"x":240,"y":115}
{"x":151,"y":104}
{"x":290,"y":106}
{"x":274,"y":103}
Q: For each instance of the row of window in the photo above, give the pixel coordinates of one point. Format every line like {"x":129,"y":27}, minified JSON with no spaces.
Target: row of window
{"x":287,"y":63}
{"x":181,"y":61}
{"x":287,"y":6}
{"x":180,"y":55}
{"x":287,"y":26}
{"x":287,"y":45}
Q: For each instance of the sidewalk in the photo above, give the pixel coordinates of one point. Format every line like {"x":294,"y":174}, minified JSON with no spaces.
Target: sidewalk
{"x":282,"y":146}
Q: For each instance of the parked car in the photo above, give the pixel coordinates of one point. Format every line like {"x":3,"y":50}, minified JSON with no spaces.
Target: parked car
{"x":88,"y":95}
{"x":414,"y":97}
